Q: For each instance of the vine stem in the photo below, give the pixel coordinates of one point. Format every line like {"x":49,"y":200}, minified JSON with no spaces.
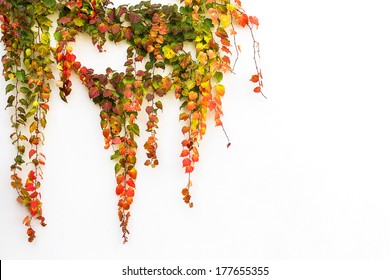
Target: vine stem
{"x":227,"y":137}
{"x":256,"y":52}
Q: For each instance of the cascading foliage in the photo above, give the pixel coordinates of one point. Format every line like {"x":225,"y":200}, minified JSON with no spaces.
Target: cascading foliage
{"x":182,"y":49}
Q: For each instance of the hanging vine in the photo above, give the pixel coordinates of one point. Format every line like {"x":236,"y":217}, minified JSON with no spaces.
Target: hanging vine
{"x":183,"y":50}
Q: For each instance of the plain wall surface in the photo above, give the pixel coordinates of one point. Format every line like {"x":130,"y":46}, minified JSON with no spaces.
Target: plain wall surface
{"x":306,"y":176}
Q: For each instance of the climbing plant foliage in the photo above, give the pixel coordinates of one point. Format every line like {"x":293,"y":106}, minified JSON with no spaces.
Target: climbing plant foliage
{"x":183,"y":49}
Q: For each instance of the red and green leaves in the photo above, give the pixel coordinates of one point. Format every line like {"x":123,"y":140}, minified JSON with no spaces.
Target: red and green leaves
{"x":27,"y":65}
{"x":158,"y":62}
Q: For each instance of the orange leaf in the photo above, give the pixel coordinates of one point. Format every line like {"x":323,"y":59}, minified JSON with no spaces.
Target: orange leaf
{"x":226,"y":59}
{"x":257,"y":89}
{"x":116,"y":140}
{"x":133,"y":173}
{"x":27,"y":220}
{"x":225,"y":49}
{"x":184,"y":153}
{"x":243,"y":20}
{"x":191,"y":105}
{"x":186,"y":162}
{"x":255,"y":78}
{"x":106,"y":132}
{"x":233,"y":32}
{"x":119,"y":189}
{"x":192,"y":95}
{"x":183,"y":116}
{"x":254,"y":21}
{"x":185,"y":191}
{"x":103,"y":28}
{"x":130,"y":192}
{"x":120,"y":179}
{"x":45,"y":106}
{"x":189,"y":169}
{"x":130,"y":183}
{"x":31,"y":153}
{"x":127,"y":106}
{"x":220,"y":90}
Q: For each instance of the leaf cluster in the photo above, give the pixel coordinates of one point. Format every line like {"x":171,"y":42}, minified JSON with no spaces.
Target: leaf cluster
{"x":183,"y":50}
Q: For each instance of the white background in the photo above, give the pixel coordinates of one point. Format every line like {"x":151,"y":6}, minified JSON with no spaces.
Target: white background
{"x":306,"y":176}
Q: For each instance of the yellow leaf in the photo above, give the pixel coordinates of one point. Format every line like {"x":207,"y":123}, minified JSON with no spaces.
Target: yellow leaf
{"x":225,"y":20}
{"x":168,"y":52}
{"x":230,"y":7}
{"x":33,"y":126}
{"x":220,"y":90}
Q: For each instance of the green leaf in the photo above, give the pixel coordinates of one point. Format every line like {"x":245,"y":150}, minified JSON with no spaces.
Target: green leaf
{"x":148,"y":65}
{"x":160,"y":64}
{"x":184,"y":104}
{"x":79,"y":22}
{"x":25,"y":90}
{"x":58,"y":36}
{"x":10,"y":101}
{"x":10,"y":87}
{"x":117,"y":168}
{"x":31,"y":112}
{"x":134,"y":128}
{"x":115,"y":155}
{"x":19,"y":160}
{"x":21,"y":75}
{"x":49,"y":3}
{"x":24,"y":102}
{"x":218,"y":76}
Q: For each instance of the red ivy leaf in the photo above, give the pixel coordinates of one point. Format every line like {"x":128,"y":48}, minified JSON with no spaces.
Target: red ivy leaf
{"x":189,"y":169}
{"x":255,"y":78}
{"x":116,"y":140}
{"x":119,"y":189}
{"x":31,"y":153}
{"x":116,"y":28}
{"x":130,"y":192}
{"x":64,"y":20}
{"x":254,"y":21}
{"x":257,"y":89}
{"x":184,"y":153}
{"x":186,"y":162}
{"x":103,"y":28}
{"x":94,"y":92}
{"x":243,"y":20}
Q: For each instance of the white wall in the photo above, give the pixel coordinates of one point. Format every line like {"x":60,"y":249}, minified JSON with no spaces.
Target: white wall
{"x":306,"y":176}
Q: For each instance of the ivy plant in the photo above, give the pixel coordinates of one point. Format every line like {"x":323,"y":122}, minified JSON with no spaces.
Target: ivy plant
{"x":183,"y":49}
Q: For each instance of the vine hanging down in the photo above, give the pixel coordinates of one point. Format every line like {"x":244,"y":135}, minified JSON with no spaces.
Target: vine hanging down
{"x":182,"y":49}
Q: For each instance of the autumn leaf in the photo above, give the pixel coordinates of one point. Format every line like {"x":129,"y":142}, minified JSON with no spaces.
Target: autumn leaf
{"x":191,"y":105}
{"x":130,"y":192}
{"x":186,"y":162}
{"x":116,"y":140}
{"x":94,"y":92}
{"x":189,"y":169}
{"x":254,"y":21}
{"x":220,"y":90}
{"x":255,"y":78}
{"x":103,"y":28}
{"x":119,"y":189}
{"x":133,"y":173}
{"x":31,"y":153}
{"x":243,"y":20}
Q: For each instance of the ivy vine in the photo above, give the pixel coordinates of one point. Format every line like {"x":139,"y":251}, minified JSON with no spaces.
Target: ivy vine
{"x":182,"y":49}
